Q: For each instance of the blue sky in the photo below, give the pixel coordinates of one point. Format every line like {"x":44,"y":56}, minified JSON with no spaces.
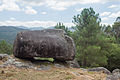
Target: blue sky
{"x":46,"y":13}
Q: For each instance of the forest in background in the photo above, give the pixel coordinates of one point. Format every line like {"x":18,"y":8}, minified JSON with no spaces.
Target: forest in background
{"x":96,"y":44}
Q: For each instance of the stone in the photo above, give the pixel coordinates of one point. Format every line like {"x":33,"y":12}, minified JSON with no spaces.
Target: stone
{"x":110,"y":77}
{"x":102,"y":69}
{"x":4,"y":56}
{"x":48,"y":43}
{"x":73,"y":64}
{"x":116,"y":73}
{"x":59,"y":65}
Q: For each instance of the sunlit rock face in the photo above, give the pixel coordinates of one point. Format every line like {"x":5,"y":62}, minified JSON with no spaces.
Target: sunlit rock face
{"x":48,"y":43}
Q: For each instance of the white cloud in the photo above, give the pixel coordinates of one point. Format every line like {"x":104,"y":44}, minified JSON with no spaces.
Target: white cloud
{"x":115,"y":15}
{"x":12,"y":18}
{"x":59,"y":4}
{"x":30,"y":10}
{"x":53,"y":4}
{"x":104,"y":18}
{"x":113,"y":6}
{"x":62,"y":4}
{"x":105,"y":13}
{"x":33,"y":2}
{"x":43,"y":13}
{"x":68,"y":24}
{"x":32,"y":23}
{"x":79,"y":10}
{"x":9,"y":5}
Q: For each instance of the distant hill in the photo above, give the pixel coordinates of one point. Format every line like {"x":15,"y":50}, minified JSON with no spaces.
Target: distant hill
{"x":36,"y":28}
{"x":40,"y":28}
{"x":8,"y":33}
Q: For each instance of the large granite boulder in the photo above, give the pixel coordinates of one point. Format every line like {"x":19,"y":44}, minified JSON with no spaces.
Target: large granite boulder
{"x":48,"y":43}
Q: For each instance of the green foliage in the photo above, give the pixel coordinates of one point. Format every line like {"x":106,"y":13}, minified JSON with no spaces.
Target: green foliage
{"x":62,"y":26}
{"x":108,"y":30}
{"x":44,"y":59}
{"x":96,"y":45}
{"x":88,"y":38}
{"x":116,"y":31}
{"x":114,"y":57}
{"x":5,"y":47}
{"x":86,"y":18}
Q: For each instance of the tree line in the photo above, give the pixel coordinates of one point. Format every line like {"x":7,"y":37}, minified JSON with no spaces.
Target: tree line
{"x":96,"y":44}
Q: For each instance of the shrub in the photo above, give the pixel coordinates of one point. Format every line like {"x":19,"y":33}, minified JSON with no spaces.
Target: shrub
{"x":6,"y":47}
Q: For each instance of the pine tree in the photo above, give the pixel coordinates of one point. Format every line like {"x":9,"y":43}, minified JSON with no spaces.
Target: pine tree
{"x":63,"y":27}
{"x":116,"y":29}
{"x":88,"y":39}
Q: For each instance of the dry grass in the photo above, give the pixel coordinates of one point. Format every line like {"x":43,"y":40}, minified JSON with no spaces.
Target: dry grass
{"x":12,"y":73}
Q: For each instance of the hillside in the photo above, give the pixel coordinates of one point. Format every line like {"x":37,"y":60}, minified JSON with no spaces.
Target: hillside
{"x":9,"y":33}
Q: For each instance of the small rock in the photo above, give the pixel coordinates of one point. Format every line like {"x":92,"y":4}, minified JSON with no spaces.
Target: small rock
{"x":3,"y":56}
{"x":38,"y":69}
{"x":111,"y":77}
{"x":43,"y":67}
{"x":59,"y":65}
{"x":73,"y":64}
{"x":83,"y":69}
{"x":2,"y":72}
{"x":116,"y":73}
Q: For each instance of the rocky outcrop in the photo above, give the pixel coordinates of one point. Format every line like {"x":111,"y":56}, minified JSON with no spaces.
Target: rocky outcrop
{"x":34,"y":64}
{"x":100,"y":69}
{"x":49,"y":43}
{"x":10,"y":61}
{"x":115,"y":75}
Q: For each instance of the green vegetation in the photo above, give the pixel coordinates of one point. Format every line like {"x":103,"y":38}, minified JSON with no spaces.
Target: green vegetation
{"x":89,"y":40}
{"x":6,"y":47}
{"x":61,"y":26}
{"x":48,"y":59}
{"x":96,"y":44}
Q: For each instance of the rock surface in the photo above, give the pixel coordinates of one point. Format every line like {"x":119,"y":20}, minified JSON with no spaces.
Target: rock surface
{"x":115,"y":75}
{"x":48,"y":43}
{"x":102,"y":69}
{"x":73,"y":64}
{"x":34,"y":64}
{"x":4,"y":56}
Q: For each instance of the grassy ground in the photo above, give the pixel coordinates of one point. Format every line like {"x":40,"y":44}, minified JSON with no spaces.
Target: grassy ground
{"x":54,"y":73}
{"x":12,"y":73}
